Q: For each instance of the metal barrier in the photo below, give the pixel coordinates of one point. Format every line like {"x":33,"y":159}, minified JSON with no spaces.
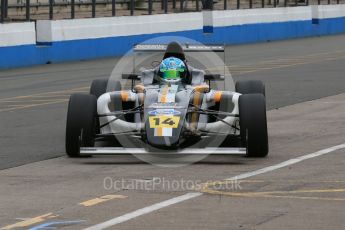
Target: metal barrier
{"x":65,"y":9}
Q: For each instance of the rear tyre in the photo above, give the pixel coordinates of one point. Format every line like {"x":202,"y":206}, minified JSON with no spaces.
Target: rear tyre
{"x":80,"y":126}
{"x":250,"y":87}
{"x":253,"y":124}
{"x":99,"y":87}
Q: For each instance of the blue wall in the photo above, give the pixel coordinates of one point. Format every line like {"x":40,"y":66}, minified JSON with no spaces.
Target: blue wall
{"x":27,"y":55}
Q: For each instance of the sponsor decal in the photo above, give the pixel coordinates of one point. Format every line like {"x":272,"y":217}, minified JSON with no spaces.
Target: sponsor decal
{"x":144,"y":47}
{"x":164,"y":112}
{"x":165,"y":105}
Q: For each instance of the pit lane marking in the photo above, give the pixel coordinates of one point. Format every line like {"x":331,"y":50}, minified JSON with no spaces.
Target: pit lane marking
{"x":146,"y":210}
{"x":190,"y":195}
{"x":283,"y":62}
{"x":33,"y":100}
{"x":40,"y":99}
{"x":306,"y":198}
{"x":101,"y":199}
{"x":205,"y":188}
{"x":82,"y":89}
{"x":31,"y":221}
{"x":255,"y":67}
{"x":32,"y":105}
{"x":26,"y":222}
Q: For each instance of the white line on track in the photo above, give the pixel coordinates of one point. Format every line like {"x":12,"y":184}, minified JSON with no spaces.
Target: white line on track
{"x":288,"y":162}
{"x":144,"y":211}
{"x":191,"y":195}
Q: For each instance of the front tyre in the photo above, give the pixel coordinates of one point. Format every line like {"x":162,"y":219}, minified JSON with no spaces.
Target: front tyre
{"x":253,"y":124}
{"x":100,"y":86}
{"x":80,"y":126}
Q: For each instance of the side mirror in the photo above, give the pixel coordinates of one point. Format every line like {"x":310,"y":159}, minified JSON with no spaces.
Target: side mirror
{"x":214,"y":77}
{"x":130,"y":76}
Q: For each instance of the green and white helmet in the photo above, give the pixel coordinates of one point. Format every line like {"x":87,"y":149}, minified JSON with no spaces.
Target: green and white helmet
{"x":172,"y":70}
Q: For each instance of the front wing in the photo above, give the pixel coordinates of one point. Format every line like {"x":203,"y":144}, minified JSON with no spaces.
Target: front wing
{"x":143,"y":151}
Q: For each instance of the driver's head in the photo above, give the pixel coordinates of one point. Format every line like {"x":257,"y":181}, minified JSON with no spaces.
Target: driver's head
{"x":172,"y":70}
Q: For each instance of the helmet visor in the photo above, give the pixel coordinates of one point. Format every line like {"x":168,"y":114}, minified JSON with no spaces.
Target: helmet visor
{"x":171,"y":74}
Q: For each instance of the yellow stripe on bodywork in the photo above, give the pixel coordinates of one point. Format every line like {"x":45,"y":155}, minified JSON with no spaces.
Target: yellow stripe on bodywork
{"x":164,"y":91}
{"x":194,"y":116}
{"x":163,"y":99}
{"x":159,"y":131}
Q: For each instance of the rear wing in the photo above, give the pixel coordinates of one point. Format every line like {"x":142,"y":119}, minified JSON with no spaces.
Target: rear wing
{"x":209,"y":58}
{"x":186,"y":48}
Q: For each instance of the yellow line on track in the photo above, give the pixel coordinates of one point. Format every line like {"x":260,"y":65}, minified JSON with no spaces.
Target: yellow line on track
{"x":31,"y":221}
{"x":238,"y":70}
{"x":44,"y":217}
{"x":38,"y":94}
{"x":33,"y":100}
{"x":34,"y":105}
{"x":305,"y":198}
{"x":284,"y":192}
{"x":101,"y":199}
{"x":272,"y":194}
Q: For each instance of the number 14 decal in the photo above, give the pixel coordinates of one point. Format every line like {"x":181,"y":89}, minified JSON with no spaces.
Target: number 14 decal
{"x":164,"y":121}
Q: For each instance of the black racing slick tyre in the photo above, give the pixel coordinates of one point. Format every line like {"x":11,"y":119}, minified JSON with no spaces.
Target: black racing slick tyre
{"x":250,"y":87}
{"x":81,"y":123}
{"x":253,"y":124}
{"x":99,"y":87}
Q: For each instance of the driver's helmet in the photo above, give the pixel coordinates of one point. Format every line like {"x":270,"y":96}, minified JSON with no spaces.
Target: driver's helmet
{"x":172,"y":70}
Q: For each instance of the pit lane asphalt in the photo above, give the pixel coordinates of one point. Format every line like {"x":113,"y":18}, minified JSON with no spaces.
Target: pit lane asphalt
{"x":311,"y":69}
{"x":84,"y":192}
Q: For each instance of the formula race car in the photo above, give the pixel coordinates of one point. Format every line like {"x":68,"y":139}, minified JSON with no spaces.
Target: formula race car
{"x":174,"y":99}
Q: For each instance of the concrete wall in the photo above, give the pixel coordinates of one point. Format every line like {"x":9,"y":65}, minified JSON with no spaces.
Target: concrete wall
{"x":328,"y":19}
{"x":266,"y":15}
{"x":18,"y":45}
{"x":78,"y":29}
{"x":17,"y":34}
{"x":328,"y":11}
{"x":65,"y":40}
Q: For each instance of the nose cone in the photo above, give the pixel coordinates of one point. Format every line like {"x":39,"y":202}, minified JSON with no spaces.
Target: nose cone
{"x":164,"y":130}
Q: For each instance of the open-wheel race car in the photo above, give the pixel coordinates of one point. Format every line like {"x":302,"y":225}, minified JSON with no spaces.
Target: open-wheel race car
{"x":173,"y":99}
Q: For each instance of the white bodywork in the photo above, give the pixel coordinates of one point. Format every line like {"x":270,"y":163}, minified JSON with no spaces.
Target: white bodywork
{"x":117,"y":125}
